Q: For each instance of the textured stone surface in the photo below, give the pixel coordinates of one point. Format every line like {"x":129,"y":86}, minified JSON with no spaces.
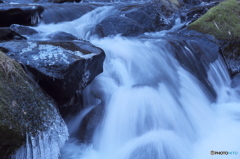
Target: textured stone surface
{"x":24,"y":109}
{"x":62,"y":68}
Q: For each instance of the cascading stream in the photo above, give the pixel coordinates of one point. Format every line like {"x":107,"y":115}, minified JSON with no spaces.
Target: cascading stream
{"x":155,"y":106}
{"x":156,"y":109}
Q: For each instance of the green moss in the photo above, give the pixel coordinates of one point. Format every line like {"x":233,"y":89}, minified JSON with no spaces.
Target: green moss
{"x":221,"y":21}
{"x":24,"y":108}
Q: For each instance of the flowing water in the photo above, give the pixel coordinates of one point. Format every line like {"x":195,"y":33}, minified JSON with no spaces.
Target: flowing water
{"x":155,"y":105}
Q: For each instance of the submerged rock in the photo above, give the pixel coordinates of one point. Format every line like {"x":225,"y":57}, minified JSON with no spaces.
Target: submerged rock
{"x":60,"y":35}
{"x":189,"y":48}
{"x":23,"y":30}
{"x":62,"y":68}
{"x":7,"y":34}
{"x":231,"y":53}
{"x":236,"y":82}
{"x":26,"y":111}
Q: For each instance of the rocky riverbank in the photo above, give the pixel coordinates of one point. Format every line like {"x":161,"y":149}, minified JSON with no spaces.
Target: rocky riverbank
{"x":49,"y":72}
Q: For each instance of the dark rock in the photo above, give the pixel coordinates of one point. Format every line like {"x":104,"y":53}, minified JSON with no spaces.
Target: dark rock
{"x":20,"y":14}
{"x":55,"y":13}
{"x":231,"y":53}
{"x":142,"y":18}
{"x":114,"y":25}
{"x":161,"y":15}
{"x":62,"y":69}
{"x":192,"y":48}
{"x":23,"y":30}
{"x":89,"y":1}
{"x":133,"y":20}
{"x":4,"y":50}
{"x":208,"y":41}
{"x":151,"y":17}
{"x":236,"y":81}
{"x":25,"y":110}
{"x":189,"y":53}
{"x":60,"y":35}
{"x":83,"y":124}
{"x":89,"y":124}
{"x":173,"y":5}
{"x":193,"y":13}
{"x":7,"y":34}
{"x":191,"y":2}
{"x":230,"y":50}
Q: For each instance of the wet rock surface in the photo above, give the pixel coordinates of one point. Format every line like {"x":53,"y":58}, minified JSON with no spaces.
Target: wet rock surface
{"x":133,"y":20}
{"x":221,"y":21}
{"x":54,"y":13}
{"x":118,"y":25}
{"x":24,"y":109}
{"x":60,"y":35}
{"x":23,"y":30}
{"x":23,"y":14}
{"x":231,"y":53}
{"x":236,"y":82}
{"x":62,"y":68}
{"x":64,"y":65}
{"x":7,"y":34}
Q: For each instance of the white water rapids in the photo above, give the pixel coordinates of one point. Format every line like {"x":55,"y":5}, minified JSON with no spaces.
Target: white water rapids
{"x":153,"y":107}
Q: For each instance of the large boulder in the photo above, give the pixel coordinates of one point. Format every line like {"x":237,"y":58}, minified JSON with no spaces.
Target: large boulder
{"x":62,"y":68}
{"x":133,"y":20}
{"x":114,"y":25}
{"x":152,"y":16}
{"x":222,"y":21}
{"x":27,"y":114}
{"x":24,"y":14}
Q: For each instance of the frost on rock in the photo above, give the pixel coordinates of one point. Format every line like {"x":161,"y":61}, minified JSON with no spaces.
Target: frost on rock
{"x":29,"y":119}
{"x":62,"y":68}
{"x":46,"y":144}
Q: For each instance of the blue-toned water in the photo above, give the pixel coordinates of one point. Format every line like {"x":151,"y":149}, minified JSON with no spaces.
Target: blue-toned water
{"x":154,"y":105}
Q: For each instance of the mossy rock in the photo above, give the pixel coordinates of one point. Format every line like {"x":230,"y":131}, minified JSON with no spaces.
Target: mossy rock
{"x":221,"y":21}
{"x":24,"y":108}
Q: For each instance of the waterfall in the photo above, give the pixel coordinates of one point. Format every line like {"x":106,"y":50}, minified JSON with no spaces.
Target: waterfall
{"x":154,"y":108}
{"x":155,"y":105}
